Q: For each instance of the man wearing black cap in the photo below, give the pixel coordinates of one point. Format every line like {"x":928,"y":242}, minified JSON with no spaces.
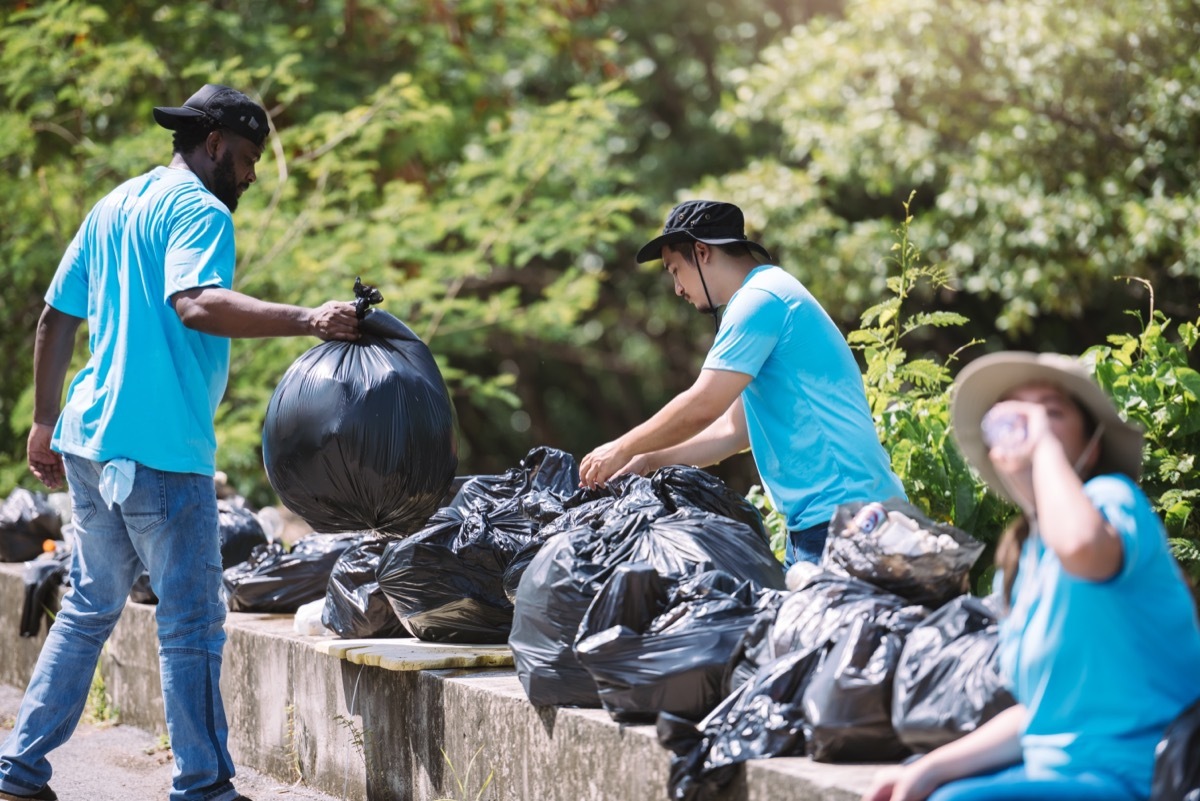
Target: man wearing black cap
{"x":151,"y":270}
{"x":779,"y":379}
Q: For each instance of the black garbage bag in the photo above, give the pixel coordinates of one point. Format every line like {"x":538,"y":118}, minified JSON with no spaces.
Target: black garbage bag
{"x":559,"y":585}
{"x":762,"y":718}
{"x":278,"y":581}
{"x":948,"y":681}
{"x":682,"y":487}
{"x":43,"y":576}
{"x":240,"y":531}
{"x":657,"y":645}
{"x":355,"y":606}
{"x":1177,"y":759}
{"x":893,"y":545}
{"x":446,"y":583}
{"x":360,"y":435}
{"x":812,"y":616}
{"x":548,"y":475}
{"x":848,"y":700}
{"x":815,"y":645}
{"x":141,"y":592}
{"x":26,"y":521}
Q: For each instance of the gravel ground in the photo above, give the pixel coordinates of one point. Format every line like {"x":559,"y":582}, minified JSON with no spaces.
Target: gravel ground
{"x":118,"y":763}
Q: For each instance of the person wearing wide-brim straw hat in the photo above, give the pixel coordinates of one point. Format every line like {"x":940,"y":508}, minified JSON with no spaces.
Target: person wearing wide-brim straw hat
{"x":1100,"y":644}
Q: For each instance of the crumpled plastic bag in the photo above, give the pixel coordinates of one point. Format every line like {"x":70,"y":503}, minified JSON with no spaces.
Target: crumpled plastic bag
{"x":894,"y":546}
{"x":948,"y":681}
{"x":658,"y":645}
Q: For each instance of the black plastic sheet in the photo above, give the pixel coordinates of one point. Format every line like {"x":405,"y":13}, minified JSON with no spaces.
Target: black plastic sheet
{"x":656,"y":645}
{"x":278,"y":581}
{"x":896,"y":547}
{"x":355,"y":606}
{"x":360,"y":435}
{"x":948,"y":681}
{"x":141,"y":592}
{"x":26,"y":521}
{"x":564,"y":577}
{"x":1177,"y":759}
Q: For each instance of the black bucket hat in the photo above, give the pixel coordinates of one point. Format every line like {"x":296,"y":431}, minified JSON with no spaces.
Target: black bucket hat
{"x":228,"y":107}
{"x":709,"y":221}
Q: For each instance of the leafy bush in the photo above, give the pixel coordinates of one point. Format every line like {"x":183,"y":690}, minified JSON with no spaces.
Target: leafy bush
{"x":1147,"y":375}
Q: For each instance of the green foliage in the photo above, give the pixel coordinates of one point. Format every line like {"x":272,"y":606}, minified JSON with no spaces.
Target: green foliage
{"x":909,"y":397}
{"x":1149,"y":377}
{"x":462,"y":784}
{"x":775,"y":522}
{"x":1055,"y":144}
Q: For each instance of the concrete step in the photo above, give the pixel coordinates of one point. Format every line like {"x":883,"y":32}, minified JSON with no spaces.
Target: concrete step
{"x":382,"y":721}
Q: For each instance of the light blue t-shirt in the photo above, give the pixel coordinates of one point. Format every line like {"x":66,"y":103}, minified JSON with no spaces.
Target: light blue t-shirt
{"x":1102,"y":667}
{"x":810,"y":429}
{"x":151,"y":387}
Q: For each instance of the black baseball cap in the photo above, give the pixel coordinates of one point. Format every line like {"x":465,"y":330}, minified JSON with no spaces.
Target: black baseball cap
{"x":709,"y":221}
{"x":228,"y":107}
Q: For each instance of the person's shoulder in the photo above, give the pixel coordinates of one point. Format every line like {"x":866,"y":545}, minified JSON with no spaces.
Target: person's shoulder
{"x":183,"y":193}
{"x":1114,"y":486}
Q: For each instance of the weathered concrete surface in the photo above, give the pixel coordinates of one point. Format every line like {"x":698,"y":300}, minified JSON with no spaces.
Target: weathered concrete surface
{"x":363,"y":733}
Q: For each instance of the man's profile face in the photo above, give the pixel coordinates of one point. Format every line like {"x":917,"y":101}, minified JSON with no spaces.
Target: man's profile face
{"x":234,"y":169}
{"x":686,"y":276}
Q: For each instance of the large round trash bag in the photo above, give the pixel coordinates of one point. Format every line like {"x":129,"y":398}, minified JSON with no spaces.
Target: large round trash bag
{"x":361,"y":435}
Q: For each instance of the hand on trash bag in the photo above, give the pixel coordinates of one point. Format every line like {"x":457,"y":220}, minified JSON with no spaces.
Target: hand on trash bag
{"x":900,"y":783}
{"x":607,"y":461}
{"x":334,"y":319}
{"x":44,"y":463}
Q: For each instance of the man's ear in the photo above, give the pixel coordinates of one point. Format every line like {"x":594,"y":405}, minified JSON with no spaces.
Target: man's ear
{"x":212,"y":143}
{"x":702,"y":252}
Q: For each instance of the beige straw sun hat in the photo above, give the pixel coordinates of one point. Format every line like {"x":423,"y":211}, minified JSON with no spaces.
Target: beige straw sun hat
{"x":987,"y":380}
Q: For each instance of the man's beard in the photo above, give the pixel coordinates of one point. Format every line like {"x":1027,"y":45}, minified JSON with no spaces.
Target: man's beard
{"x":225,"y":184}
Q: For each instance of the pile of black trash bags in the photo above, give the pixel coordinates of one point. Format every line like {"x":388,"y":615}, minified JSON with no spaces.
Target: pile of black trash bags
{"x":875,"y":654}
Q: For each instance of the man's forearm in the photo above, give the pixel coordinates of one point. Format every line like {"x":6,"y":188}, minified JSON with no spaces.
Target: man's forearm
{"x":684,"y":417}
{"x":52,"y":349}
{"x":223,"y":312}
{"x":712,"y":445}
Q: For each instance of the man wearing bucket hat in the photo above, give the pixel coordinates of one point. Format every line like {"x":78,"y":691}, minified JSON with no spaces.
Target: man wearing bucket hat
{"x":779,"y":379}
{"x":151,"y":270}
{"x":1100,"y":645}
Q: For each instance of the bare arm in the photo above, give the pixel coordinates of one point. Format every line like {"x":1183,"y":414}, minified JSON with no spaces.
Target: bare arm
{"x":723,"y":438}
{"x":223,"y":312}
{"x":686,"y":415}
{"x":994,"y":745}
{"x":53,"y":345}
{"x":1042,"y":478}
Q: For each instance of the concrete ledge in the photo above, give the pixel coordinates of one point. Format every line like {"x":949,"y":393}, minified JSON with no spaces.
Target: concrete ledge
{"x":332,"y":714}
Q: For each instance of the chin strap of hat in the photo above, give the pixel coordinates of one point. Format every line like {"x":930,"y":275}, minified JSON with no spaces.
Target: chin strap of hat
{"x":712,"y":309}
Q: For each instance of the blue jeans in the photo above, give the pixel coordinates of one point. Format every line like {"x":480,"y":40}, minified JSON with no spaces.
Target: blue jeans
{"x":1013,"y":784}
{"x":805,"y":545}
{"x":169,"y":524}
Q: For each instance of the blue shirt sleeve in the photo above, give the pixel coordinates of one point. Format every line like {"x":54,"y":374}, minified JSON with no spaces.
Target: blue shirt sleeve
{"x":200,"y":249}
{"x":1128,"y":511}
{"x":752,"y":325}
{"x":68,"y":292}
